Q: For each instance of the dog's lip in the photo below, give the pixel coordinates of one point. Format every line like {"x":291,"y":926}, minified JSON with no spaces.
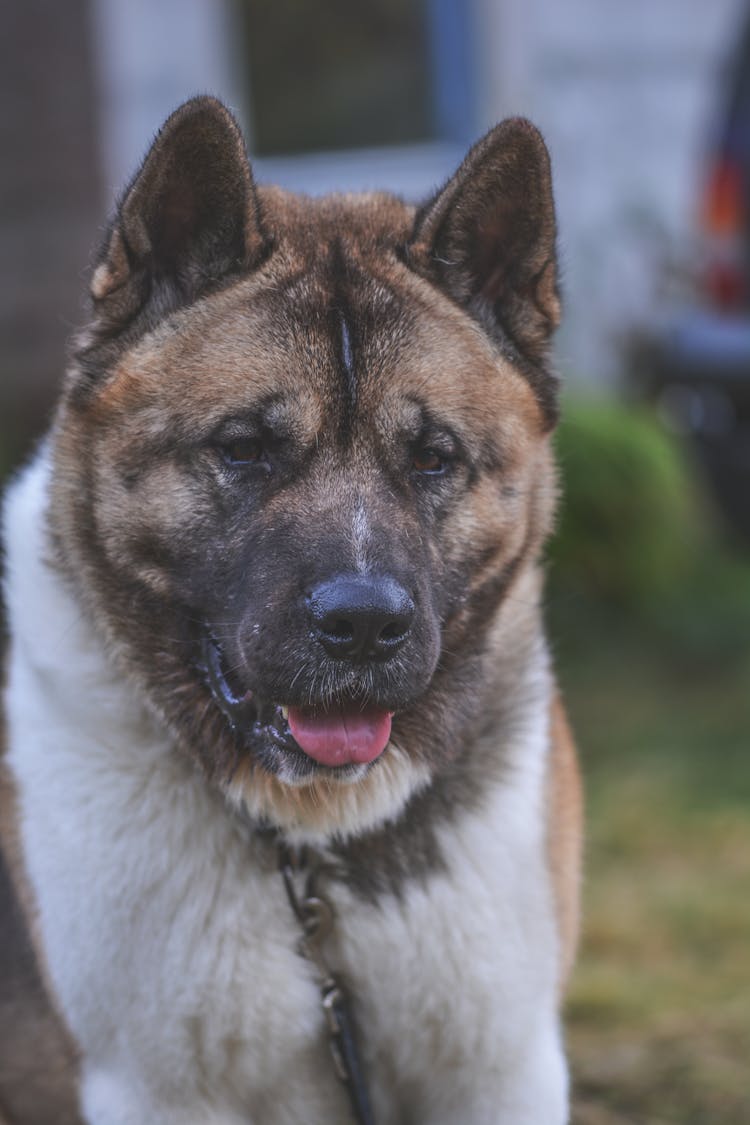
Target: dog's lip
{"x":245,"y":712}
{"x":242,"y":708}
{"x":237,"y":706}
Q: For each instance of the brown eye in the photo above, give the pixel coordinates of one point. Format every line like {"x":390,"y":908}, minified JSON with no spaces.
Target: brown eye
{"x":243,"y":451}
{"x":428,"y":461}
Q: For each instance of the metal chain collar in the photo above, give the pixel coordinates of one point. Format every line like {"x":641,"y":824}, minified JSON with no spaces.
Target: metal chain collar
{"x":315,"y":916}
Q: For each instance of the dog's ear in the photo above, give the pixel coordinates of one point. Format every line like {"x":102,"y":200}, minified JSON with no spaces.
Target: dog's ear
{"x":488,"y":237}
{"x":189,"y":217}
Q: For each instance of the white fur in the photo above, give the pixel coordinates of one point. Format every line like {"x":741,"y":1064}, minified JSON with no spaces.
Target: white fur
{"x":170,"y":943}
{"x":360,"y":536}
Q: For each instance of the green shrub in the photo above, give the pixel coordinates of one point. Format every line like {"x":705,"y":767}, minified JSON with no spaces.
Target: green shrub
{"x":632,"y":522}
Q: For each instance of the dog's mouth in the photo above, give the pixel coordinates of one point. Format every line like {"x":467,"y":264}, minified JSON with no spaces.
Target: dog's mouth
{"x":332,"y":735}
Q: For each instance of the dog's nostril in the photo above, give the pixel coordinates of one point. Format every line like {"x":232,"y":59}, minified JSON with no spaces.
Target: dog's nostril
{"x":361,"y":617}
{"x":392,"y":632}
{"x":339,"y":629}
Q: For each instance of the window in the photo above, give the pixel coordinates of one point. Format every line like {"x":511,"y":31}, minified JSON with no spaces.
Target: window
{"x":345,"y":74}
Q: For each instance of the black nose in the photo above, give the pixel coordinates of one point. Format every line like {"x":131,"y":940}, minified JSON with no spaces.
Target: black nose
{"x":361,"y":617}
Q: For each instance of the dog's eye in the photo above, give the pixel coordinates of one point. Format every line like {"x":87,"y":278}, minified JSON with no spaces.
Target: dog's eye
{"x":429,"y":462}
{"x":242,"y":451}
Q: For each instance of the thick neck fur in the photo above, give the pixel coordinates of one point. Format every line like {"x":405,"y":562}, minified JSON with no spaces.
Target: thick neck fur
{"x":375,"y":848}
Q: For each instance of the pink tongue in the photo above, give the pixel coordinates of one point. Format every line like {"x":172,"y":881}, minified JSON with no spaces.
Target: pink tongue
{"x":338,"y":738}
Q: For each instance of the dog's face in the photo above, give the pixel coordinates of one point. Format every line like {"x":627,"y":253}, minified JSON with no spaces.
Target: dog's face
{"x":302,"y":456}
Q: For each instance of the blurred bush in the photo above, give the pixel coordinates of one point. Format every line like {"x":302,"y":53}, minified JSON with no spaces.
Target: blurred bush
{"x":638,"y":541}
{"x":633,"y":515}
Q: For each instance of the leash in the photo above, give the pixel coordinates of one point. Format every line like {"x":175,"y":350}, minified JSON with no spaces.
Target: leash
{"x":315,"y":916}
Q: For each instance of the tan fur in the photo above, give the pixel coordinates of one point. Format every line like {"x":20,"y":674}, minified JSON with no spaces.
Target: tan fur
{"x":565,"y":834}
{"x":310,"y":808}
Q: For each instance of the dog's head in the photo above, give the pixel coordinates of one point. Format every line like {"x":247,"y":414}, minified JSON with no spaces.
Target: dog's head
{"x":303,"y":454}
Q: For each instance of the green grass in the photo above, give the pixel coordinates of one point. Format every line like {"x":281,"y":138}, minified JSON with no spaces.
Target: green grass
{"x":658,"y":1014}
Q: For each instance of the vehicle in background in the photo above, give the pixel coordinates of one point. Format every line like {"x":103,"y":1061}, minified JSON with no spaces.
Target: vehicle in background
{"x":694,"y":360}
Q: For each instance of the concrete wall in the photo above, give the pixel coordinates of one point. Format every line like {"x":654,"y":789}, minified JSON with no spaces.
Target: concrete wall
{"x":625,"y":93}
{"x":150,"y":55}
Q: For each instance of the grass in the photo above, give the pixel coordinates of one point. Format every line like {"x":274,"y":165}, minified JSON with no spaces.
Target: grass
{"x":658,"y":1014}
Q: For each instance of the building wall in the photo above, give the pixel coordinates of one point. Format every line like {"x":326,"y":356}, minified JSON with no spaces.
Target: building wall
{"x":625,"y":94}
{"x":49,"y":203}
{"x":150,"y":55}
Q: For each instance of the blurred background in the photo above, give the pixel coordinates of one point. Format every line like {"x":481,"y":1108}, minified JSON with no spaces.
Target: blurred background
{"x":646,"y":109}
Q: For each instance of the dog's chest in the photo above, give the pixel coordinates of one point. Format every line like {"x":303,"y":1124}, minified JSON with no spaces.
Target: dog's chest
{"x":187,"y":982}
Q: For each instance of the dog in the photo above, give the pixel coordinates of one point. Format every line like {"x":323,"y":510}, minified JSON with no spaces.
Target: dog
{"x":290,"y":803}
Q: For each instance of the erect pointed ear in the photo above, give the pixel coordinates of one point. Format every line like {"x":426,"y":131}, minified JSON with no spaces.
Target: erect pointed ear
{"x":488,"y":238}
{"x":189,"y":217}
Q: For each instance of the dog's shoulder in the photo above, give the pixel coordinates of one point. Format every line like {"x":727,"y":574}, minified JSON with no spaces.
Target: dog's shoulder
{"x":37,"y":1058}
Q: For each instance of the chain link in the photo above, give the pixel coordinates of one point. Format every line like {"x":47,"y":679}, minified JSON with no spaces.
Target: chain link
{"x":315,"y":916}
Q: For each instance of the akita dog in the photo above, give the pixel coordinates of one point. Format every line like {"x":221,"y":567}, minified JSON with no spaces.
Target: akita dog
{"x":285,"y":757}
